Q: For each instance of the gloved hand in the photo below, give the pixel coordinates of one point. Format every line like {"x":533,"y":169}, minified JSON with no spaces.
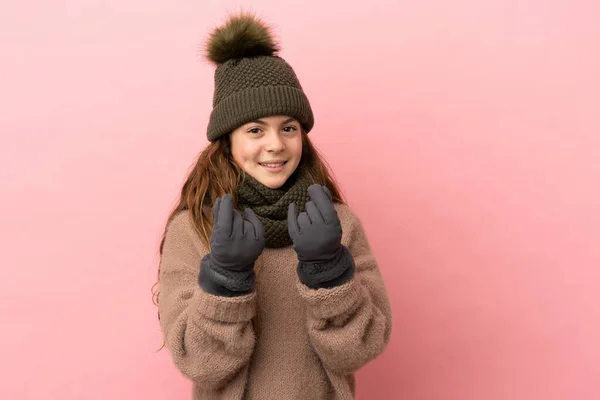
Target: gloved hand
{"x":236,"y":242}
{"x":316,"y":232}
{"x":323,"y":262}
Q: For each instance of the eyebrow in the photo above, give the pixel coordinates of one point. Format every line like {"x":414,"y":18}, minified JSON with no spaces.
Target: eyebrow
{"x":261,"y":122}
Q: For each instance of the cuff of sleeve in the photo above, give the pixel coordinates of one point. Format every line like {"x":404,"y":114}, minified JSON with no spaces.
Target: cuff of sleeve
{"x":223,"y":282}
{"x":328,"y":274}
{"x":329,"y":303}
{"x":225,"y":309}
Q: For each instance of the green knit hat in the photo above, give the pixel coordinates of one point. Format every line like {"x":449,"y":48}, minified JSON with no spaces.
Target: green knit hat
{"x":251,"y":80}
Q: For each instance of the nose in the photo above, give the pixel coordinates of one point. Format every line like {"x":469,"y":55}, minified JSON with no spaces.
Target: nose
{"x":274,"y":143}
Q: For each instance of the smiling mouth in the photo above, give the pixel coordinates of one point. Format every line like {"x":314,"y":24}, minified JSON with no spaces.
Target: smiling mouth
{"x":273,"y":165}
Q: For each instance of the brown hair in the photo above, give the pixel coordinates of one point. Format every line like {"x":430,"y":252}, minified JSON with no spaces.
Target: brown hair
{"x":216,"y":174}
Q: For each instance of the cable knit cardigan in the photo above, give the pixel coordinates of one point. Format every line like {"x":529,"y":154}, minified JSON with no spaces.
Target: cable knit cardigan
{"x":283,"y":341}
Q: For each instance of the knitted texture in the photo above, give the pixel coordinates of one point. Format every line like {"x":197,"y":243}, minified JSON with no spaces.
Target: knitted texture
{"x":309,"y":343}
{"x":247,"y":89}
{"x":271,"y":205}
{"x":223,"y":281}
{"x":328,"y":274}
{"x":246,"y":73}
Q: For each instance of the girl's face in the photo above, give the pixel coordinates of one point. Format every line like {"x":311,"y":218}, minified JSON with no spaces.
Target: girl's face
{"x":268,"y":149}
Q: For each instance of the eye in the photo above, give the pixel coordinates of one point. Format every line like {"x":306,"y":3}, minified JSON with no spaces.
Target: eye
{"x":254,"y":131}
{"x":289,"y":129}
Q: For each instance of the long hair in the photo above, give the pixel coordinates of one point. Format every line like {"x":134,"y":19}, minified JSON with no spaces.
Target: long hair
{"x":216,"y":174}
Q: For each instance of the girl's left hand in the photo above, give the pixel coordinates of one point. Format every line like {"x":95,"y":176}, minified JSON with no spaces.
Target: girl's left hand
{"x":316,"y":232}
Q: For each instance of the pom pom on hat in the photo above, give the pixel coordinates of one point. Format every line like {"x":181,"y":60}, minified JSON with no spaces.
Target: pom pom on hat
{"x":243,"y":35}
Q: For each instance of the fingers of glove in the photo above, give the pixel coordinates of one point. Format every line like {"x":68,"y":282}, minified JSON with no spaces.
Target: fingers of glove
{"x":303,"y":221}
{"x":293,"y":227}
{"x":216,"y":207}
{"x":225,"y":216}
{"x":238,"y":224}
{"x":254,"y":227}
{"x":323,"y":202}
{"x":313,"y":212}
{"x":328,"y":193}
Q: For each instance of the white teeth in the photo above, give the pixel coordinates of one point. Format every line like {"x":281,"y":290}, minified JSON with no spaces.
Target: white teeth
{"x":272,"y":165}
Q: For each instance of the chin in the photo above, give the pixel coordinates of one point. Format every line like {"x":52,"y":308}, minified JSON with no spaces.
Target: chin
{"x":273,"y":182}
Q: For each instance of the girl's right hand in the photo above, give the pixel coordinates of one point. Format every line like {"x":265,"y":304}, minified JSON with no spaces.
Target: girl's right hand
{"x":236,"y":241}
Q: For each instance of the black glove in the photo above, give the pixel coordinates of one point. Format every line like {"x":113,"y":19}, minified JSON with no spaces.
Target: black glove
{"x":317,"y":237}
{"x":236,"y":242}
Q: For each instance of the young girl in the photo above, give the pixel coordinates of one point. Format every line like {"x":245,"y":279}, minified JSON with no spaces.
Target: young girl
{"x":268,"y":287}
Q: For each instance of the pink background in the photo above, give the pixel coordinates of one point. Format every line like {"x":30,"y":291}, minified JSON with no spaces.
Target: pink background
{"x":472,"y":127}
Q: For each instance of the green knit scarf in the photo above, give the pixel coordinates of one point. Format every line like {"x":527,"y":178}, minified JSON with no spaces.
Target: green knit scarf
{"x":271,"y":205}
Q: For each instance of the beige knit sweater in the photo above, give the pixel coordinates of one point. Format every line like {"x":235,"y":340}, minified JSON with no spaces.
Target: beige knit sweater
{"x":308,"y":342}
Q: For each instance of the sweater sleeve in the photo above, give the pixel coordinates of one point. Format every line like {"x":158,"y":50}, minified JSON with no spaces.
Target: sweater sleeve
{"x":210,"y":337}
{"x":350,"y":324}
